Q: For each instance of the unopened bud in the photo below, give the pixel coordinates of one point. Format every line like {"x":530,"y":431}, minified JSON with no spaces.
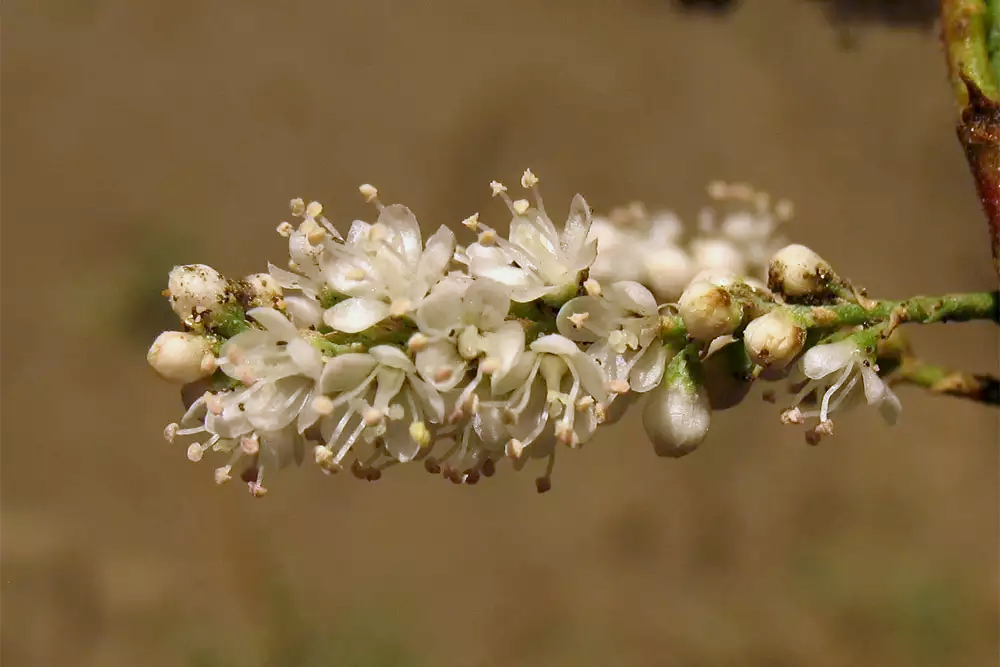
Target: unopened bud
{"x":677,"y":413}
{"x":709,"y":311}
{"x":797,"y":271}
{"x":773,"y":339}
{"x":261,"y":291}
{"x":178,"y":356}
{"x":195,"y":289}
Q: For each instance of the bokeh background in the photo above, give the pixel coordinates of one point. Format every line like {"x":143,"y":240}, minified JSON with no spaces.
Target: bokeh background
{"x":140,"y":135}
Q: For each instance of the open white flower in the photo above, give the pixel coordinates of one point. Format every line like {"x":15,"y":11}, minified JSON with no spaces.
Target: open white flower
{"x":385,"y":269}
{"x":623,"y":324}
{"x":375,"y":396}
{"x":834,"y":370}
{"x":538,"y":261}
{"x":562,"y":386}
{"x":466,"y":320}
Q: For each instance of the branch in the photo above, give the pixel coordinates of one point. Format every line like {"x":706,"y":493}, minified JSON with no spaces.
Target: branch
{"x":971,"y":386}
{"x":971,"y":35}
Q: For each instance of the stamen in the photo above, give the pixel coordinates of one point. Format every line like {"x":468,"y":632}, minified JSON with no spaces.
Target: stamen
{"x":223,"y":474}
{"x":250,"y":444}
{"x":472,"y":222}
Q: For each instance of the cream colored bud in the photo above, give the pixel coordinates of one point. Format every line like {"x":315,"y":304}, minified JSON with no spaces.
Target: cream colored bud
{"x":676,"y":420}
{"x":709,"y":311}
{"x":797,"y":271}
{"x":195,"y":289}
{"x":262,"y":291}
{"x":178,"y":356}
{"x":773,"y":339}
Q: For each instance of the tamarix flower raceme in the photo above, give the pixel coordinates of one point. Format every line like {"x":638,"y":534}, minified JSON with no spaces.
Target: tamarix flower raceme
{"x":377,"y":346}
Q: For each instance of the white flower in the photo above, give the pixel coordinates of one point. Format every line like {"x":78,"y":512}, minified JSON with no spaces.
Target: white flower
{"x":465,"y":320}
{"x":624,"y":325}
{"x":385,"y":270}
{"x":375,"y":396}
{"x":558,"y":386}
{"x":279,"y":369}
{"x":834,"y":370}
{"x":538,"y":260}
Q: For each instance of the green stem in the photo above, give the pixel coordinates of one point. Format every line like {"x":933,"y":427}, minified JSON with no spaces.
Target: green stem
{"x":970,"y":30}
{"x":964,"y":25}
{"x":921,"y":309}
{"x":974,"y":387}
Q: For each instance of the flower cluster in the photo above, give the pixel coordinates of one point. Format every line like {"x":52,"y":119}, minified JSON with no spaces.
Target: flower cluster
{"x":736,"y":236}
{"x":376,"y":347}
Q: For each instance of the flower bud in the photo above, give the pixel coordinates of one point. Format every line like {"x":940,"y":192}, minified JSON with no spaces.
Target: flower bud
{"x":797,"y":271}
{"x":718,"y":255}
{"x":773,"y":339}
{"x":709,"y":311}
{"x":669,"y":270}
{"x":181,"y":357}
{"x":195,"y":289}
{"x":677,"y":414}
{"x":261,"y":290}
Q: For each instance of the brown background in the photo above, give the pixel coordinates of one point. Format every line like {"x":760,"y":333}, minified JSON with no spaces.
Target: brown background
{"x":139,"y":135}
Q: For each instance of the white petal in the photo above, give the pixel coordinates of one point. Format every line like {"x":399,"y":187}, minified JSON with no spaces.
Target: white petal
{"x":354,"y":315}
{"x":648,"y":371}
{"x":577,"y":229}
{"x":275,"y":323}
{"x":441,"y":311}
{"x":280,"y":448}
{"x":392,"y":357}
{"x":632,"y":297}
{"x":306,"y":357}
{"x":517,"y":376}
{"x":284,"y":278}
{"x":822,"y":360}
{"x":436,"y":255}
{"x":598,"y":324}
{"x":555,"y":344}
{"x":486,"y":304}
{"x":275,"y":406}
{"x":530,"y":292}
{"x":398,"y":442}
{"x":345,"y":372}
{"x":874,"y":386}
{"x":428,"y":397}
{"x":401,"y":220}
{"x":303,"y":311}
{"x":439,"y":364}
{"x":592,"y":377}
{"x":358,"y":233}
{"x":489,"y":426}
{"x":890,"y":407}
{"x":505,"y":344}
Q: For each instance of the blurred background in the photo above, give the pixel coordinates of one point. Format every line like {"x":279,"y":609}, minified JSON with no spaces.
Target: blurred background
{"x":137,"y":136}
